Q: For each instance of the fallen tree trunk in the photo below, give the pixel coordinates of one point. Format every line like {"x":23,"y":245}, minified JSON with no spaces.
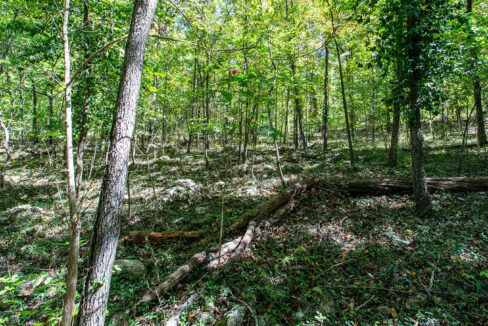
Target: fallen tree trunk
{"x":390,"y":187}
{"x":160,"y":237}
{"x":175,"y":277}
{"x":233,"y":250}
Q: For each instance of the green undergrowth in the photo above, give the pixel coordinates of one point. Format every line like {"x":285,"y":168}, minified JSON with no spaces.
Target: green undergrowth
{"x":332,"y":260}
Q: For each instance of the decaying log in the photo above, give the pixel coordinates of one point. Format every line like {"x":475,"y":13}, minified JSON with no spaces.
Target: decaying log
{"x":174,"y":320}
{"x":175,"y":277}
{"x":233,"y":250}
{"x":269,"y":207}
{"x":229,"y":254}
{"x":159,"y":237}
{"x":389,"y":187}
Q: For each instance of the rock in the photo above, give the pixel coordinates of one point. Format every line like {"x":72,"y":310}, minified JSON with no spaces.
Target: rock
{"x":219,"y":184}
{"x":299,"y":315}
{"x":181,"y":189}
{"x":251,"y":191}
{"x":396,"y":239}
{"x":119,"y":319}
{"x":200,"y":210}
{"x":236,"y":315}
{"x":327,"y":306}
{"x":130,"y":266}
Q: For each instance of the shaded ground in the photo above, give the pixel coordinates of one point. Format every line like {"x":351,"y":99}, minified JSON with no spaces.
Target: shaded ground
{"x":332,"y":260}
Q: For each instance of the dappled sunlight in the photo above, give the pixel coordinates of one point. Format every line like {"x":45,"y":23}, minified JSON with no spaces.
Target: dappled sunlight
{"x":336,"y":233}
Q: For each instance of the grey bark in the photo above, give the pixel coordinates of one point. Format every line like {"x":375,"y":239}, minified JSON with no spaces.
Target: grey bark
{"x":74,"y":248}
{"x":393,"y":155}
{"x":325,"y":114}
{"x":423,"y":201}
{"x":344,"y":104}
{"x":107,"y":222}
{"x":298,"y":105}
{"x":84,"y":119}
{"x":480,"y":119}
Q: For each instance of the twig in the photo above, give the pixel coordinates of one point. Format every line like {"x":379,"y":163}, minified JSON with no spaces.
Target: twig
{"x":365,"y":303}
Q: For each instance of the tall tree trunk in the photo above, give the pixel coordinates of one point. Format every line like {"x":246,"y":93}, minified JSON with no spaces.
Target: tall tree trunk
{"x":240,"y":132}
{"x":325,"y":114}
{"x":194,"y":103}
{"x":246,"y":132}
{"x":50,"y":139}
{"x":206,"y":138}
{"x":423,"y":201}
{"x":72,"y":275}
{"x":480,"y":119}
{"x":344,"y":104}
{"x":275,"y":142}
{"x":285,"y":133}
{"x":395,"y":132}
{"x":84,"y":119}
{"x":35,"y":124}
{"x":107,"y":222}
{"x":298,"y":105}
{"x":5,"y":128}
{"x":6,"y":147}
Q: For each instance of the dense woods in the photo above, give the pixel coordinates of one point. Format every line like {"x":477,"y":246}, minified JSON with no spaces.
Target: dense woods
{"x":271,"y":162}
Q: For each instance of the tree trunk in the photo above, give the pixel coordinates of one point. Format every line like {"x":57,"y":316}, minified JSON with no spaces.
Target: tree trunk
{"x":6,"y":147}
{"x":206,"y":138}
{"x":107,"y":222}
{"x":275,"y":142}
{"x":393,"y":156}
{"x":50,"y":139}
{"x":344,"y":104}
{"x":423,"y":201}
{"x":286,"y":115}
{"x":480,"y":120}
{"x":84,"y":119}
{"x":325,"y":114}
{"x":74,"y":247}
{"x":35,"y":126}
{"x":298,"y":105}
{"x":161,"y":237}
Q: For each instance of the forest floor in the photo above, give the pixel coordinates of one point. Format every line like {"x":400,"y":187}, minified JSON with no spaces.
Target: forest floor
{"x":330,"y":260}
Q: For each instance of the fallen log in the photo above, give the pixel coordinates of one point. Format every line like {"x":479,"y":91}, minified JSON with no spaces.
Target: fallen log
{"x":160,"y":237}
{"x":233,"y":250}
{"x":174,"y":277}
{"x":402,"y":186}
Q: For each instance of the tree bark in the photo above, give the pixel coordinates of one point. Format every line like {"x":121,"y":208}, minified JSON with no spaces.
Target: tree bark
{"x":6,"y":147}
{"x":74,"y":248}
{"x":35,"y":126}
{"x":107,"y":222}
{"x":480,"y":119}
{"x":325,"y":114}
{"x":393,"y":156}
{"x":344,"y":104}
{"x":86,"y":93}
{"x":298,"y":105}
{"x":423,"y":201}
{"x":161,"y":237}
